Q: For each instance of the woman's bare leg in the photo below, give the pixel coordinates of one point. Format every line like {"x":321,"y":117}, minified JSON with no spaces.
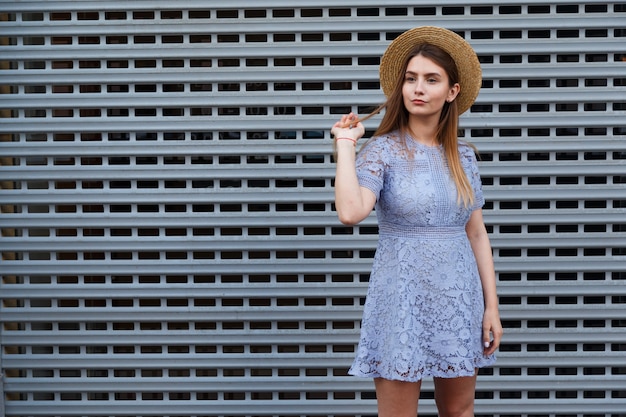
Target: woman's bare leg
{"x":397,"y":398}
{"x":455,"y":396}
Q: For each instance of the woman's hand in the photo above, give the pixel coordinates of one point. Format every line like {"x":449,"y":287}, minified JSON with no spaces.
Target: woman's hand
{"x":492,"y":331}
{"x":348,"y":127}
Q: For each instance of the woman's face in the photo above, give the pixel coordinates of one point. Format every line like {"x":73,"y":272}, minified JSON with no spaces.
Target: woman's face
{"x":426,"y":88}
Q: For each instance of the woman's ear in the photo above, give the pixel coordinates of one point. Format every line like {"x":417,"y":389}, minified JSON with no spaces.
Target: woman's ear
{"x":454,"y":91}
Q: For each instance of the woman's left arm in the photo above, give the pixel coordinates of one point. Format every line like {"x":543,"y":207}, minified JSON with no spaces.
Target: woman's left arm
{"x":479,"y":240}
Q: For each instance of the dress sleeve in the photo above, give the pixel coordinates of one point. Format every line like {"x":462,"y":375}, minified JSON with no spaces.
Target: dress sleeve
{"x":370,"y":166}
{"x":471,"y":168}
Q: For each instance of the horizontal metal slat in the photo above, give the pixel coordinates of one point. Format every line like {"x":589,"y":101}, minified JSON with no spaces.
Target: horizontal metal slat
{"x":552,"y":168}
{"x":147,"y":196}
{"x":245,"y":148}
{"x":604,"y":359}
{"x":202,"y":338}
{"x":172,"y":362}
{"x":168,"y":172}
{"x":175,"y":314}
{"x":217,"y":196}
{"x":271,"y":407}
{"x":167,"y":220}
{"x":173,"y":407}
{"x":293,"y":290}
{"x":550,"y":241}
{"x":531,"y":217}
{"x":304,"y":25}
{"x":303,"y":98}
{"x":521,"y":337}
{"x":288,"y":384}
{"x":160,"y":171}
{"x":513,"y":336}
{"x":581,"y":70}
{"x":493,"y":217}
{"x":193,"y":75}
{"x":568,"y":120}
{"x":296,"y":194}
{"x":259,"y":314}
{"x":563,"y":312}
{"x":292,"y":195}
{"x":298,"y":49}
{"x":187,"y":148}
{"x":560,"y":240}
{"x":171,"y":291}
{"x":564,"y":192}
{"x":289,"y":266}
{"x":176,"y":267}
{"x":186,"y":100}
{"x":218,"y":385}
{"x":89,"y":5}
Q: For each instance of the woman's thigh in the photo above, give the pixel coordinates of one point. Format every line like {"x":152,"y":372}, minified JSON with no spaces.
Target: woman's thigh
{"x":397,"y":398}
{"x":455,"y":396}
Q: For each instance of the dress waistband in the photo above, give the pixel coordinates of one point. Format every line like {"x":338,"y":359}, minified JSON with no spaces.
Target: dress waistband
{"x":430,"y":232}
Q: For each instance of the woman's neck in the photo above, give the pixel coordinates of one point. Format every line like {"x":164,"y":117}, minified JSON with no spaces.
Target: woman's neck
{"x":426,"y":134}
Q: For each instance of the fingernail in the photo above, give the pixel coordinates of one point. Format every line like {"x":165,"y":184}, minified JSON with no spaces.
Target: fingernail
{"x":487,"y":344}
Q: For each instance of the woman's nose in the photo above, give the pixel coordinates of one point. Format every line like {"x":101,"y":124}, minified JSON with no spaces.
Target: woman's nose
{"x":419,"y":86}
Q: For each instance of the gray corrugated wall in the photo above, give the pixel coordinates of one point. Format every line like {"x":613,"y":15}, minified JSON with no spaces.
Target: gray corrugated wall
{"x":169,"y":245}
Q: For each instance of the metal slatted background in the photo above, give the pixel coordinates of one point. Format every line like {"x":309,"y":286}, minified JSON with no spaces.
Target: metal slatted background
{"x":169,"y":246}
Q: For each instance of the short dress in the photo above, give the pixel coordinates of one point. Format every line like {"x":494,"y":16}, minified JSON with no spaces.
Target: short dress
{"x":424,"y":307}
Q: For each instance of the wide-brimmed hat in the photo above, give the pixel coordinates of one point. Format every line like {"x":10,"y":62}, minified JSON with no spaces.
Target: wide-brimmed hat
{"x":464,"y":56}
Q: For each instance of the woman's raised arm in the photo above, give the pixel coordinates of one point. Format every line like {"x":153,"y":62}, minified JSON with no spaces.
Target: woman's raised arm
{"x":353,"y":202}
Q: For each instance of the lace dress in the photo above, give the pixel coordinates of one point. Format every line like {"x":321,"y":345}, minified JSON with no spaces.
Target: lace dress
{"x":424,"y":307}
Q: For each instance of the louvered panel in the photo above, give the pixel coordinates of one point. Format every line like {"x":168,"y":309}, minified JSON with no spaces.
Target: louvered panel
{"x":169,"y":242}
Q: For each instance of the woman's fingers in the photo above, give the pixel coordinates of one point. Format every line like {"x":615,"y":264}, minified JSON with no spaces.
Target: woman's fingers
{"x":348,"y":125}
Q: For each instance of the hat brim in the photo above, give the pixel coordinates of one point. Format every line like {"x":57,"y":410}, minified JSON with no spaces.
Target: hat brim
{"x":464,"y":56}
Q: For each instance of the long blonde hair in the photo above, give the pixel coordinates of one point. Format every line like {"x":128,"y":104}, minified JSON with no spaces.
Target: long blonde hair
{"x":396,"y":118}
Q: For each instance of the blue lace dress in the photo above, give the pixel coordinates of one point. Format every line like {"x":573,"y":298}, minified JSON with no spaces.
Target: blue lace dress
{"x":424,"y":307}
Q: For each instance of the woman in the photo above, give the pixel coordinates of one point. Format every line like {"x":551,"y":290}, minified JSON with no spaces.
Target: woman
{"x":431,"y":307}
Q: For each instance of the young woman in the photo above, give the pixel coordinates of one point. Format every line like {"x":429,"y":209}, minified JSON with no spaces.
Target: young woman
{"x":431,"y":307}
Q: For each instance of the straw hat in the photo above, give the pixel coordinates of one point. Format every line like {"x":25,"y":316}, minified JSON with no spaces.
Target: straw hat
{"x":468,"y":66}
